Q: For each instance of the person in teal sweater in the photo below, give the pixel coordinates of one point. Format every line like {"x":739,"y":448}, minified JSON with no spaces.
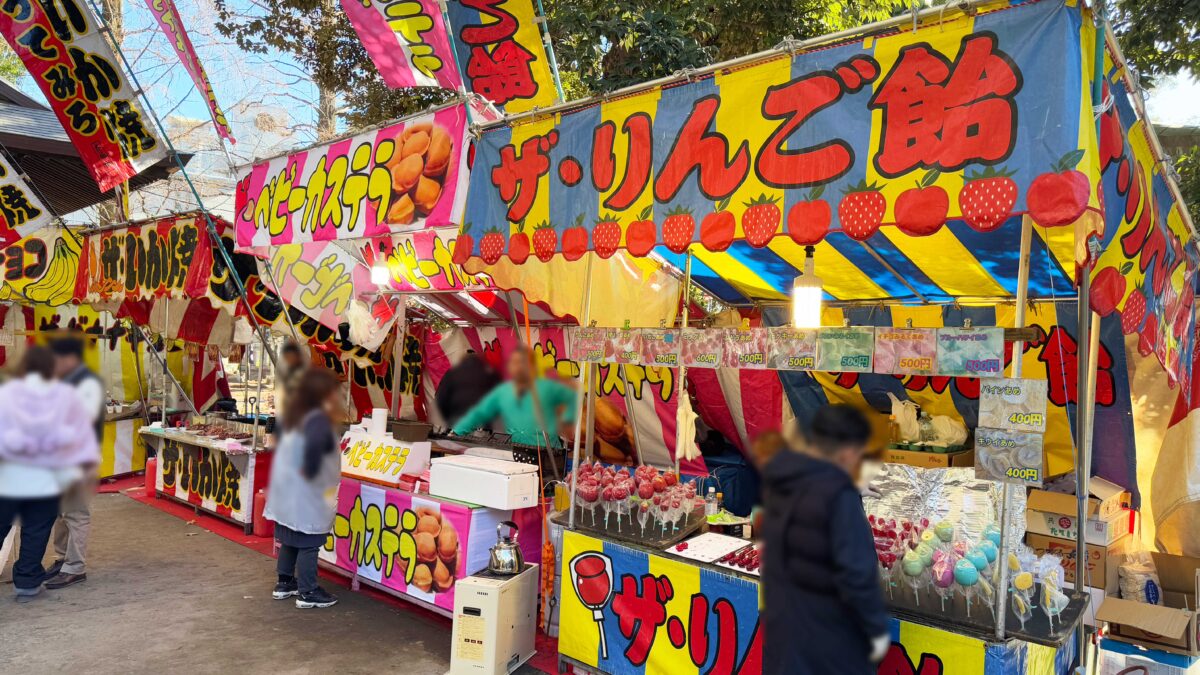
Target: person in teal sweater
{"x":514,"y":403}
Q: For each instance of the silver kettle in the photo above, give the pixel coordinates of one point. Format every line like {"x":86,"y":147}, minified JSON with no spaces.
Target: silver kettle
{"x":506,"y":557}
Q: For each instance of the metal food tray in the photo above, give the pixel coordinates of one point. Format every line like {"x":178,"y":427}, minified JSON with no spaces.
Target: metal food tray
{"x":654,"y":538}
{"x":982,"y":622}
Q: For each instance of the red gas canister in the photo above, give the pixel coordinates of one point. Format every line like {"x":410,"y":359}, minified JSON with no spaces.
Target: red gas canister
{"x":262,"y":527}
{"x":151,"y":473}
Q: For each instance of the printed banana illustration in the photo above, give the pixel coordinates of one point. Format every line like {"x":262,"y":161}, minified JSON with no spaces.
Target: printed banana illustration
{"x":57,"y":285}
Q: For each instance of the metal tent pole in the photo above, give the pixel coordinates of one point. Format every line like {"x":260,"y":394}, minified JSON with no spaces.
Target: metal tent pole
{"x":587,"y":388}
{"x":1018,"y":353}
{"x":162,"y":361}
{"x":1083,"y":414}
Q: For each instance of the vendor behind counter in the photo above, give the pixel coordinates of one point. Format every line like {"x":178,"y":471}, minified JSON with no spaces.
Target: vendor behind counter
{"x":514,"y":404}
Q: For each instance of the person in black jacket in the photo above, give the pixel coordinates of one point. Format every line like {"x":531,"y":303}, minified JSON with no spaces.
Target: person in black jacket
{"x":823,"y":606}
{"x":464,"y":385}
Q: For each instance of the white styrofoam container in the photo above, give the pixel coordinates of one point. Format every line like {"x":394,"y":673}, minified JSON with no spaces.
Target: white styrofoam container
{"x":494,"y":483}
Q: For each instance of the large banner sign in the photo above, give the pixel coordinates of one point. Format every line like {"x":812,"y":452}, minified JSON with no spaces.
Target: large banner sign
{"x":421,"y":261}
{"x":407,"y":176}
{"x":1147,"y":271}
{"x":21,"y":212}
{"x":213,"y":480}
{"x":172,"y":26}
{"x":500,"y":49}
{"x":170,"y":258}
{"x":72,"y":63}
{"x":971,"y":120}
{"x":407,"y":40}
{"x":40,"y":268}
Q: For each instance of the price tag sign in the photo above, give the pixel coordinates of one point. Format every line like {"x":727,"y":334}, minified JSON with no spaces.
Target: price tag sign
{"x":700,"y":348}
{"x":746,"y":348}
{"x":622,"y":346}
{"x":905,"y":351}
{"x":1013,"y":404}
{"x":659,"y":347}
{"x":587,"y":345}
{"x":846,"y":350}
{"x":792,"y":349}
{"x":1009,"y":456}
{"x":970,"y":352}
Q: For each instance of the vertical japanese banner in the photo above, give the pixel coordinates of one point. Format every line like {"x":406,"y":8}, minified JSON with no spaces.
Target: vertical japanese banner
{"x":172,"y":26}
{"x":72,"y":63}
{"x":501,"y":53}
{"x":21,"y":212}
{"x":408,"y":176}
{"x":407,"y":41}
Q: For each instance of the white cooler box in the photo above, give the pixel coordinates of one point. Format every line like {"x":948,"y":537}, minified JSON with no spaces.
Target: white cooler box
{"x":494,"y":483}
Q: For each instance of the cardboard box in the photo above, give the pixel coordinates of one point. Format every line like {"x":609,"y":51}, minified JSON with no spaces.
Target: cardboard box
{"x":929,"y":460}
{"x":1096,"y":531}
{"x":1117,"y":658}
{"x":1102,"y":564}
{"x":1105,"y":502}
{"x":1172,"y":627}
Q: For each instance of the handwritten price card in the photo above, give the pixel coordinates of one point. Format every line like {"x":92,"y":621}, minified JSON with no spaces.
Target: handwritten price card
{"x":792,"y":349}
{"x":1013,"y":404}
{"x":659,"y":347}
{"x":621,"y":346}
{"x":1009,"y":456}
{"x":746,"y":348}
{"x":699,"y":348}
{"x":587,"y":345}
{"x":906,"y":351}
{"x":846,"y":350}
{"x":970,"y":352}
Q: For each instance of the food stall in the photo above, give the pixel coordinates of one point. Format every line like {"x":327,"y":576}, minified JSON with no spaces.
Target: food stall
{"x":923,"y":256}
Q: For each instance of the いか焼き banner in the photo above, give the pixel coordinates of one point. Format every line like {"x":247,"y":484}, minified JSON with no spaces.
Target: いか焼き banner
{"x":406,"y":176}
{"x":970,"y":119}
{"x":72,"y":63}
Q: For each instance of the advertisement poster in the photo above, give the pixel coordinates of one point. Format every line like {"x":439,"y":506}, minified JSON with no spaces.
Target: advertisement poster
{"x":745,"y":348}
{"x":894,"y":132}
{"x":792,"y":348}
{"x":70,"y":61}
{"x":215,"y":481}
{"x":846,"y":350}
{"x":701,"y":348}
{"x":1015,"y":404}
{"x":1009,"y":456}
{"x":41,"y":268}
{"x":659,"y":347}
{"x":906,"y":351}
{"x":382,"y":460}
{"x":168,"y":258}
{"x":404,"y":542}
{"x":422,"y":261}
{"x":970,"y":352}
{"x":407,"y":40}
{"x":500,"y":49}
{"x":407,"y":176}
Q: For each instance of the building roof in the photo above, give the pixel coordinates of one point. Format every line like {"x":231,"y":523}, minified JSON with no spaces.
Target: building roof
{"x":37,"y":143}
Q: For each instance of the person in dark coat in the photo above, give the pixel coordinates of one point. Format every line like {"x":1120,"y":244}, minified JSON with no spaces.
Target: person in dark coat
{"x":464,"y":385}
{"x":823,"y":605}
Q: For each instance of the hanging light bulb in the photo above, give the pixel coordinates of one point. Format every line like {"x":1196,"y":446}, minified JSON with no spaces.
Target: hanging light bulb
{"x":807,"y":295}
{"x":380,"y":274}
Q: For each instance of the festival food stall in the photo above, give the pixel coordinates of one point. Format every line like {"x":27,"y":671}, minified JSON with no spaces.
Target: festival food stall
{"x":934,"y":203}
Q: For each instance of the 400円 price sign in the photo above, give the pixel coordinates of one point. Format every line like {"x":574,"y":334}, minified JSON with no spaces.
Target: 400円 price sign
{"x":1008,"y":441}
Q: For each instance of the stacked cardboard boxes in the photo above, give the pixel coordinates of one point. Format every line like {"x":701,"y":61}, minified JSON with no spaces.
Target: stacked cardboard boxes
{"x":1051,"y":520}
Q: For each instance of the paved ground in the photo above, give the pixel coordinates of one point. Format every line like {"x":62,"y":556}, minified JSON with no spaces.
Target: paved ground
{"x":164,"y":594}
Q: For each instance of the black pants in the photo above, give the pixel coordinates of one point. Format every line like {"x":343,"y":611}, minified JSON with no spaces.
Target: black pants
{"x":37,"y":520}
{"x":298,"y":563}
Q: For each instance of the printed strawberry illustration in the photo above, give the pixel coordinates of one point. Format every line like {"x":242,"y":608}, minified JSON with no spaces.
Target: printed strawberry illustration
{"x":1134,"y":312}
{"x":1148,"y":336}
{"x":861,"y":210}
{"x":606,"y":235}
{"x":678,"y":228}
{"x":491,"y":246}
{"x":575,"y":240}
{"x":545,"y":241}
{"x":1108,"y":287}
{"x":717,"y":228}
{"x":1059,"y":198}
{"x":808,"y":220}
{"x":518,"y":245}
{"x":922,"y":210}
{"x":641,"y":235}
{"x":463,"y":245}
{"x":760,"y":220}
{"x":987,"y":198}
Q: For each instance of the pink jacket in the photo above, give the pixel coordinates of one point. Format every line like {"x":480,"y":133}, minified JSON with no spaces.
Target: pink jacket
{"x":44,"y":424}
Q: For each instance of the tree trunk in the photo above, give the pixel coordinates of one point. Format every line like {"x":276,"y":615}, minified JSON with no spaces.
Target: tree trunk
{"x":326,"y":113}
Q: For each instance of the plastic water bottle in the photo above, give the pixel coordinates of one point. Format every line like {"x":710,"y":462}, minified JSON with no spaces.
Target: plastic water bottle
{"x":710,"y":503}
